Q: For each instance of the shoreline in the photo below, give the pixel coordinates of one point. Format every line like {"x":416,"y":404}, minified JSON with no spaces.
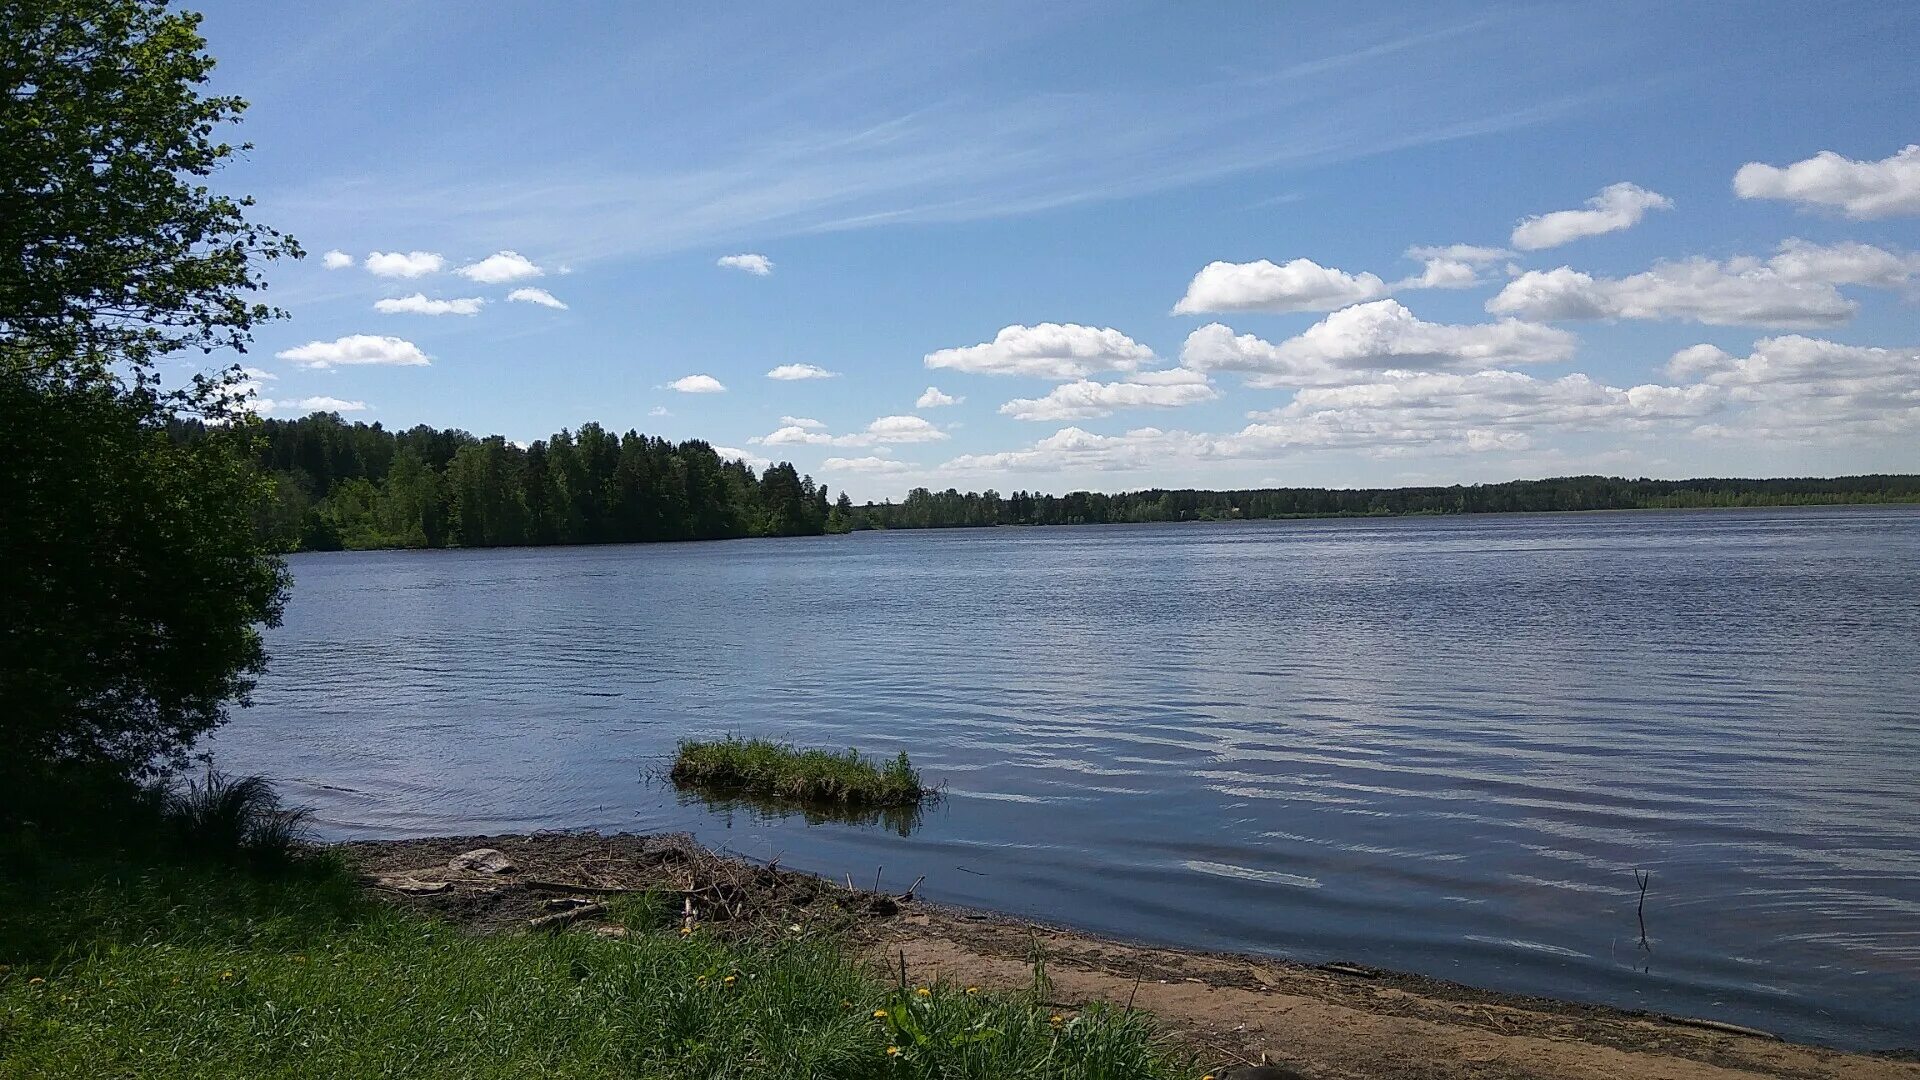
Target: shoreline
{"x":1325,"y":1020}
{"x":1417,"y":515}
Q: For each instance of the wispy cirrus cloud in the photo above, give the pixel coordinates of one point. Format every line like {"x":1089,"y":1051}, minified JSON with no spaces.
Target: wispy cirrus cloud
{"x":920,"y":133}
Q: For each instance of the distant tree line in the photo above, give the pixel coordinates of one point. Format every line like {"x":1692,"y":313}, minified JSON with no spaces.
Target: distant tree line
{"x":338,"y":485}
{"x":925,"y":509}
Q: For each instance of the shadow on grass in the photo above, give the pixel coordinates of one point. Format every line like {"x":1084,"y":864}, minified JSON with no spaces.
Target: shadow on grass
{"x":214,"y":860}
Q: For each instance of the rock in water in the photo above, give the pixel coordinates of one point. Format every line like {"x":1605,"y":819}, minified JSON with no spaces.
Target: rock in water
{"x":484,"y":860}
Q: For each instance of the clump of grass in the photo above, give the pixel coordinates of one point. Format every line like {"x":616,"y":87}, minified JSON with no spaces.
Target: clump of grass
{"x":234,"y":815}
{"x":761,"y":767}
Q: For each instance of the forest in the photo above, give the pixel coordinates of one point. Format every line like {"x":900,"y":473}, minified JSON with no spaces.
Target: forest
{"x":356,"y":485}
{"x":338,"y":485}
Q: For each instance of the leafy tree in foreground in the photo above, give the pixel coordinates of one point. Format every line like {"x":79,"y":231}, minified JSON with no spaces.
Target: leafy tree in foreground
{"x":135,"y":585}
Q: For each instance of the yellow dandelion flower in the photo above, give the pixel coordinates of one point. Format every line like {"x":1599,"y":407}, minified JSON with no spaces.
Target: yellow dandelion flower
{"x":879,"y":1014}
{"x":1056,"y":1018}
{"x":700,"y":980}
{"x":924,"y":992}
{"x":226,"y":975}
{"x":36,"y":981}
{"x":685,"y":930}
{"x":893,"y":1051}
{"x":973,"y":989}
{"x":728,"y":981}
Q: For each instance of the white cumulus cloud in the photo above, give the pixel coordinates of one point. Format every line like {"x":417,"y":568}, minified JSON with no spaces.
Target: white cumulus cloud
{"x":1046,"y":351}
{"x":897,"y":429}
{"x":1301,"y":285}
{"x":697,"y":384}
{"x":1378,"y":336}
{"x":530,"y":295}
{"x":1845,"y":263}
{"x":356,"y":349}
{"x":734,"y":453}
{"x":336,"y":260}
{"x":329,"y":404}
{"x":869,"y":464}
{"x":886,"y":429}
{"x":1861,"y":189}
{"x":795,"y":372}
{"x":1618,"y":206}
{"x":421,"y":304}
{"x":1466,"y":253}
{"x":757,"y":265}
{"x":933,"y":398}
{"x":807,"y":422}
{"x":1443,"y":274}
{"x":1806,"y":388}
{"x":1740,"y":292}
{"x":408,"y":264}
{"x":499,"y":268}
{"x":1084,"y":398}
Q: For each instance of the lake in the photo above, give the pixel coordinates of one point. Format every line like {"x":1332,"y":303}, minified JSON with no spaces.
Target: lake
{"x":1441,"y":745}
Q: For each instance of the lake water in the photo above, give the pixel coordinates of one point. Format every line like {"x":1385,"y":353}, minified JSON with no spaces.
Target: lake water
{"x":1439,"y":745}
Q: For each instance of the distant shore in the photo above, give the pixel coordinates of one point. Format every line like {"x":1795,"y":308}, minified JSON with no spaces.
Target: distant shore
{"x":1324,"y":1020}
{"x":1859,"y":504}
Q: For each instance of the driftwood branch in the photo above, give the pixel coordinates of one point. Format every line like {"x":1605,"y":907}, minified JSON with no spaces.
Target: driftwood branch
{"x":570,"y":887}
{"x":562,"y":918}
{"x":1720,"y":1026}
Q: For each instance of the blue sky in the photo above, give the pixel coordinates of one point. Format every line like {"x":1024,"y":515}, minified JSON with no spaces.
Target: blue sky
{"x":1139,"y":245}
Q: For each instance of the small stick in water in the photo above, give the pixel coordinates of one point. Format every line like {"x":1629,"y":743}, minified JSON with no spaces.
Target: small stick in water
{"x":1643,"y":879}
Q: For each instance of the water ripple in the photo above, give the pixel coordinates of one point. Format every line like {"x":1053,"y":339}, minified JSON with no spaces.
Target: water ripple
{"x":1438,"y":744}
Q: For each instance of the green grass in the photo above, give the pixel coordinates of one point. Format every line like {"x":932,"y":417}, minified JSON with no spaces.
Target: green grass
{"x":769,"y":768}
{"x":149,"y":959}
